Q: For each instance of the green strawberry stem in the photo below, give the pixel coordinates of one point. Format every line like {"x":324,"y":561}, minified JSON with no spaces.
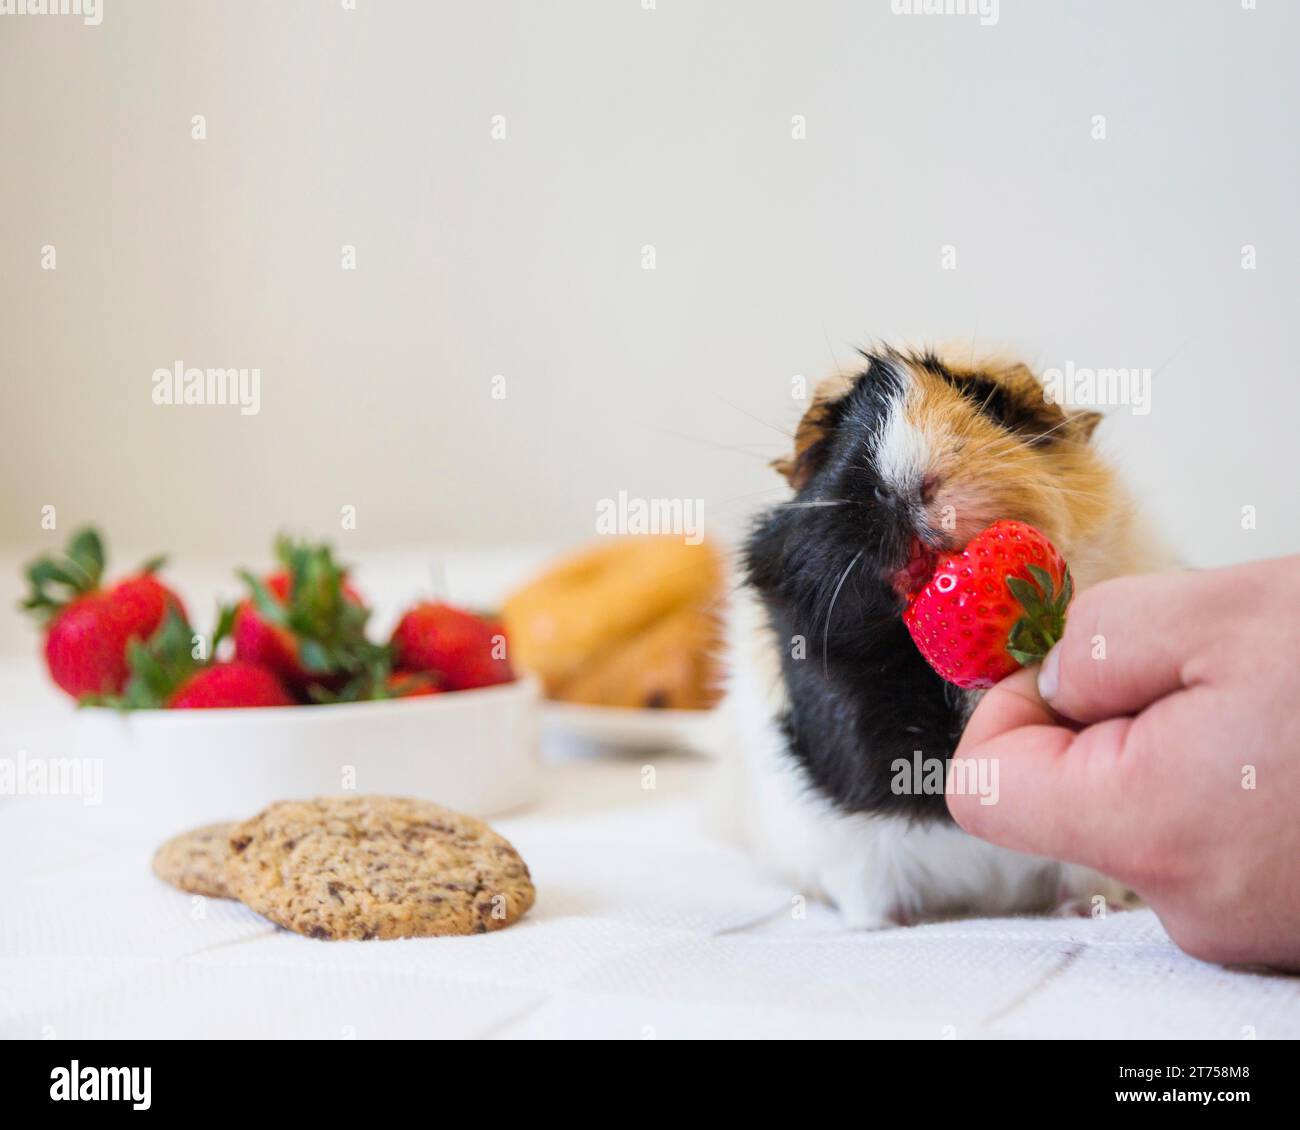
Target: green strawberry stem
{"x":58,"y":579}
{"x":329,"y":627}
{"x":224,"y":626}
{"x":1042,"y":625}
{"x":369,"y":685}
{"x":159,"y":666}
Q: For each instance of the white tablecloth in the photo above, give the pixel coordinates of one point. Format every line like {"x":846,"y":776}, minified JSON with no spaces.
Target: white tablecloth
{"x":645,"y":926}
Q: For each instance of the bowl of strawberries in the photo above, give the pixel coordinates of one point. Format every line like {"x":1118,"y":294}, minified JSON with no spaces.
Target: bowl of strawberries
{"x":289,"y":694}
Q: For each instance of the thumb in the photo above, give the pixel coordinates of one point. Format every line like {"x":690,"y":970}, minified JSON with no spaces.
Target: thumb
{"x":1046,"y":788}
{"x":1125,"y":644}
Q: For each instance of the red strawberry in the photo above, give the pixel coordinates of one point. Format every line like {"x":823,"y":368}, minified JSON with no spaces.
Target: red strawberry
{"x":464,"y":650}
{"x":997,"y":604}
{"x":165,"y":672}
{"x":88,"y":628}
{"x":257,"y":640}
{"x":305,"y":622}
{"x":230,"y":684}
{"x":410,"y":684}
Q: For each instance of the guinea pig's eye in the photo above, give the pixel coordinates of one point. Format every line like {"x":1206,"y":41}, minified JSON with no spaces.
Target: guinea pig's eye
{"x":1026,"y":419}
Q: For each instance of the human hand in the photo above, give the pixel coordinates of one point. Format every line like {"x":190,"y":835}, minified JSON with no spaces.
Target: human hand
{"x":1159,"y":743}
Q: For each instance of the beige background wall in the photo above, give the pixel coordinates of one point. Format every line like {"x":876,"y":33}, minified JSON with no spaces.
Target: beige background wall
{"x":523,"y":256}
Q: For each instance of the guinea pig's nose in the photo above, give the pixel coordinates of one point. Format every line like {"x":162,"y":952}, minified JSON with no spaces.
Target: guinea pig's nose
{"x":884,"y":496}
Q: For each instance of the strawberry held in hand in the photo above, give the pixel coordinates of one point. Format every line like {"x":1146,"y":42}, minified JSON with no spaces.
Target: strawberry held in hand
{"x":994,"y":606}
{"x":88,"y":628}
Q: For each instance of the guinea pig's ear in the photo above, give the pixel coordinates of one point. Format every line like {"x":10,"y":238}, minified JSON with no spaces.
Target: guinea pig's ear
{"x":814,"y":428}
{"x":1030,"y":409}
{"x":1083,"y":424}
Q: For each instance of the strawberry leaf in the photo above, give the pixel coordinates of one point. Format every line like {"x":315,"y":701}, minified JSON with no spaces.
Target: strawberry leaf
{"x":1026,"y":594}
{"x":58,"y":579}
{"x":1067,"y":591}
{"x":47,"y":570}
{"x":1044,"y":579}
{"x":86,"y":551}
{"x":371,"y":684}
{"x":225,"y":625}
{"x":329,"y":625}
{"x":267,"y":606}
{"x":1038,"y":630}
{"x":160,"y":666}
{"x":315,"y":656}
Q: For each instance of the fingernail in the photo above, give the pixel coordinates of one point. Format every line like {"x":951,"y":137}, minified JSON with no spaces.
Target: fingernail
{"x":1049,"y":674}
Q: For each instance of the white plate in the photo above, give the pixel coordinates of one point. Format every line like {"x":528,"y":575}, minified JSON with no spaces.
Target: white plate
{"x":473,"y":751}
{"x":627,"y":728}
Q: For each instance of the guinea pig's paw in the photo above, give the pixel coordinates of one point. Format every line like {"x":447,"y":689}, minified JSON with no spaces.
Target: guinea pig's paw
{"x":1083,"y":893}
{"x":1081,"y":907}
{"x":856,"y":919}
{"x":863,"y":906}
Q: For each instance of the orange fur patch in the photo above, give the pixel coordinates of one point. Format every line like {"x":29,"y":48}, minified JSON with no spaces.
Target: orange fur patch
{"x":1060,"y":485}
{"x":812,"y":427}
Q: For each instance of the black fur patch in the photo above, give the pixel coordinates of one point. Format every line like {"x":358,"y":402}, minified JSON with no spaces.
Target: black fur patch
{"x":1029,"y":418}
{"x":861,"y":695}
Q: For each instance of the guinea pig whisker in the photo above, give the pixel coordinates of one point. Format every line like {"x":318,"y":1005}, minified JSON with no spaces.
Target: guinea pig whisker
{"x":765,"y":457}
{"x":1053,"y":428}
{"x":794,"y":504}
{"x":748,"y":495}
{"x":1002,"y":441}
{"x":826,"y":628}
{"x":756,"y":419}
{"x":993,"y":391}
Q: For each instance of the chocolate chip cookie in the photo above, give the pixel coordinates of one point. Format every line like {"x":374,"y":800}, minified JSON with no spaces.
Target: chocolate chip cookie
{"x":376,"y":867}
{"x":195,"y":861}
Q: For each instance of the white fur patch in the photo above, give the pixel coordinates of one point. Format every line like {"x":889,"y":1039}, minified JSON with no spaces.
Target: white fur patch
{"x":878,"y":870}
{"x":902,"y":452}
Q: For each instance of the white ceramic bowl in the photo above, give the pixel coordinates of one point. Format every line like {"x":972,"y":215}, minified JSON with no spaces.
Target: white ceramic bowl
{"x":474,"y":751}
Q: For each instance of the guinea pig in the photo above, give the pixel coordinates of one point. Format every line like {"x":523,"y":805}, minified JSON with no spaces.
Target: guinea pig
{"x":893,"y":464}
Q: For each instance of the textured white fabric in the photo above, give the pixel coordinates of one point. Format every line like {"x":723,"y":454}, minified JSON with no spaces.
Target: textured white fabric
{"x":645,"y":926}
